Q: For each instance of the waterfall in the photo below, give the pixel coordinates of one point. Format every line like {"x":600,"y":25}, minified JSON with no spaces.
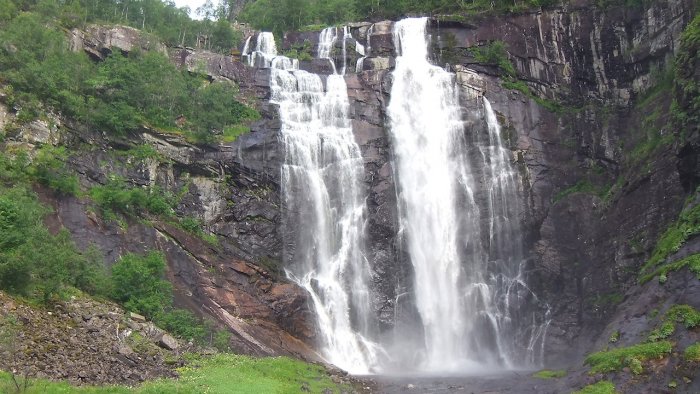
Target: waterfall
{"x":364,"y":50}
{"x":265,"y":54}
{"x":326,"y":42}
{"x":468,"y":277}
{"x":325,"y":210}
{"x":459,"y":208}
{"x":517,"y":304}
{"x":433,"y":178}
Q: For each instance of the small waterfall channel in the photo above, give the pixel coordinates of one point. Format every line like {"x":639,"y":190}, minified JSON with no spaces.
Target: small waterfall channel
{"x":458,"y":208}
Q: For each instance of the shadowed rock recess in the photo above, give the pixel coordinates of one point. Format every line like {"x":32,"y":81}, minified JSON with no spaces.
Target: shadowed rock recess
{"x":563,"y":111}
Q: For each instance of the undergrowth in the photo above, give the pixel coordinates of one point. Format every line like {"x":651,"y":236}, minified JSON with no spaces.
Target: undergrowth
{"x":602,"y":387}
{"x":687,"y":226}
{"x":692,"y":352}
{"x":632,"y":357}
{"x":686,"y":315}
{"x":549,"y":374}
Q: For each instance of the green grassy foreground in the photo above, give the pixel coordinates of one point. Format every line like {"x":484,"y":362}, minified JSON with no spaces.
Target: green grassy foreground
{"x":224,"y":373}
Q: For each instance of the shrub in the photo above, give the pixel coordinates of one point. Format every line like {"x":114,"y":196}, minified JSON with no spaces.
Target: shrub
{"x":222,"y":340}
{"x":495,"y":53}
{"x":33,"y":261}
{"x":616,"y":359}
{"x":181,"y":323}
{"x":687,"y":225}
{"x":49,"y":169}
{"x":602,"y":387}
{"x":692,"y":352}
{"x":116,"y":196}
{"x":686,"y":314}
{"x":139,"y":284}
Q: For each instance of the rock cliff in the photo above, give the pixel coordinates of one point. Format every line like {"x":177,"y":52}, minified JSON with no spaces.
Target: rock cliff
{"x":576,"y":110}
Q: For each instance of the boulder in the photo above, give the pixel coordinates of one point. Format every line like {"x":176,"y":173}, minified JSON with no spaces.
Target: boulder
{"x":168,"y":342}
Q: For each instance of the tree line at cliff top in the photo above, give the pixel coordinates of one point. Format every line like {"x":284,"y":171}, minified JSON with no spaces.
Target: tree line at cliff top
{"x":287,"y":15}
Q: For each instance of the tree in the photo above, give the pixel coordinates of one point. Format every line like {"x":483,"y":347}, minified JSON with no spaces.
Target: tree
{"x":139,"y":284}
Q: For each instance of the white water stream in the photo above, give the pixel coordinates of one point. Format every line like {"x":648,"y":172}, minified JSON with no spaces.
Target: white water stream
{"x":325,"y":204}
{"x":466,"y":277}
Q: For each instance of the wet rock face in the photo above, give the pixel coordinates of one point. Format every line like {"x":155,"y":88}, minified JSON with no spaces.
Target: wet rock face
{"x":577,"y":53}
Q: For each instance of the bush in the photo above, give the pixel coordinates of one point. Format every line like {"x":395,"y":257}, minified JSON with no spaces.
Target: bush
{"x":181,"y":323}
{"x":616,"y":359}
{"x":602,"y":387}
{"x":34,"y":262}
{"x":495,"y":53}
{"x":117,"y":196}
{"x":118,"y":95}
{"x":692,"y":352}
{"x":686,"y":314}
{"x":222,"y":340}
{"x":687,"y":225}
{"x":49,"y":169}
{"x":139,"y":285}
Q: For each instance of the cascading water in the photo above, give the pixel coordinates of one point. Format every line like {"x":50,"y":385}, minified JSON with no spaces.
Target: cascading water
{"x":458,"y":210}
{"x":433,"y":177}
{"x":466,"y":292}
{"x":364,"y":50}
{"x":326,"y":42}
{"x":325,"y":210}
{"x":516,"y":303}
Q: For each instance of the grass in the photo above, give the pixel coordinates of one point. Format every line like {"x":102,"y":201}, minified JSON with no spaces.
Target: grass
{"x":687,"y":226}
{"x":223,"y":373}
{"x":521,"y":86}
{"x":616,"y":359}
{"x":692,"y":262}
{"x":683,"y":314}
{"x":549,"y":374}
{"x":583,"y":186}
{"x":692,"y":352}
{"x":231,"y":133}
{"x":602,"y":387}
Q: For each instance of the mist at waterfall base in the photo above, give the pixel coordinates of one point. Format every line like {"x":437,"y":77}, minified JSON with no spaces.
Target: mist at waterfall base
{"x":470,"y":310}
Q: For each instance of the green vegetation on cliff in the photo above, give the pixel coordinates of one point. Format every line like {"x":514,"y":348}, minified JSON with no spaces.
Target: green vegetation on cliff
{"x":687,"y":226}
{"x":692,"y":352}
{"x":286,"y":15}
{"x":687,"y":106}
{"x":686,"y":315}
{"x":632,"y":357}
{"x":44,"y":267}
{"x":33,"y":261}
{"x":602,"y":387}
{"x":40,"y":73}
{"x":164,"y":19}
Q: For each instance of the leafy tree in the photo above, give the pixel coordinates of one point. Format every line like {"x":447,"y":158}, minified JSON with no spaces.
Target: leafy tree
{"x":139,"y":284}
{"x":49,"y":168}
{"x":34,"y":261}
